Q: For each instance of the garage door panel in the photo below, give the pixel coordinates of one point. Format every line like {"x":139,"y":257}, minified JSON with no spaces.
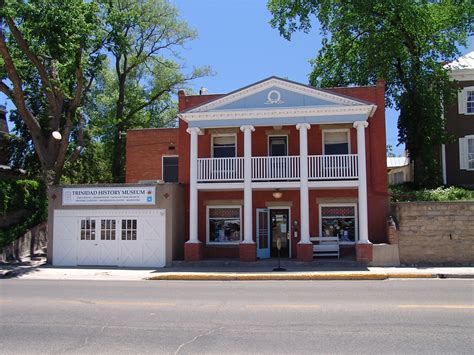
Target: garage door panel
{"x":87,"y":253}
{"x":108,"y":254}
{"x":64,"y":253}
{"x":151,"y":255}
{"x":130,"y":253}
{"x":65,"y":240}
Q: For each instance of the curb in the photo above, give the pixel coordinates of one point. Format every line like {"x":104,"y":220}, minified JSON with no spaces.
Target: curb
{"x":286,"y":277}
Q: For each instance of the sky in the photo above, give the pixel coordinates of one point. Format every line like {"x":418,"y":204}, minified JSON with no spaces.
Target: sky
{"x":236,"y":40}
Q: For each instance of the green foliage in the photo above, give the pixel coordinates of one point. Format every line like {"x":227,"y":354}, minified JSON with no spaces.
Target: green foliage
{"x":406,"y":192}
{"x":143,"y":39}
{"x":90,"y":100}
{"x":21,"y":195}
{"x":50,"y":51}
{"x":404,"y":42}
{"x":93,"y":166}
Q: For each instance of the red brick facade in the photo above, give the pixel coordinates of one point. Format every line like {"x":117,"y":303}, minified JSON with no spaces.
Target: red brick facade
{"x":146,"y":147}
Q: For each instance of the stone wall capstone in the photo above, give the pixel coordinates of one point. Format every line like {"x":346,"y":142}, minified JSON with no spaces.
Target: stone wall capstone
{"x":435,"y":232}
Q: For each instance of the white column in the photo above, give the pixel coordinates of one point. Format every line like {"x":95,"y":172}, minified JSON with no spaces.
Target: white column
{"x":361,"y":165}
{"x":193,"y":192}
{"x":248,"y":225}
{"x":304,"y":190}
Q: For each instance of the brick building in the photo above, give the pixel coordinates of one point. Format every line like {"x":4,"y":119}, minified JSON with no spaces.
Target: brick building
{"x":276,"y":162}
{"x":458,"y":155}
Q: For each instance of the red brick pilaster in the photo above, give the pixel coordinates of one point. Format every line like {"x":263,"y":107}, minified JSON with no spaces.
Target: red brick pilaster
{"x":304,"y":252}
{"x":364,"y":253}
{"x":193,"y":251}
{"x":248,"y":251}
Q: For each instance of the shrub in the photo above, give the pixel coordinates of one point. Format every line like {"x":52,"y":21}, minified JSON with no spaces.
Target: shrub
{"x":21,"y":195}
{"x":405,"y":192}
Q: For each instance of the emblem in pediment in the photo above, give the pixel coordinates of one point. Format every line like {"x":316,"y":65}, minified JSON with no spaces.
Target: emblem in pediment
{"x":274,"y":98}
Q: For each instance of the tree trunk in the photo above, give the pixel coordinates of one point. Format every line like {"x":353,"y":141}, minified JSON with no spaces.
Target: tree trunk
{"x":117,"y":159}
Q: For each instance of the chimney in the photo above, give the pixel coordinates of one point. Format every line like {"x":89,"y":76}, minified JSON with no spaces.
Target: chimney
{"x":4,"y":158}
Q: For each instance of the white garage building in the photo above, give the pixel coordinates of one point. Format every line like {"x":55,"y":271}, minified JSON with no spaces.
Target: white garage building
{"x":115,"y":225}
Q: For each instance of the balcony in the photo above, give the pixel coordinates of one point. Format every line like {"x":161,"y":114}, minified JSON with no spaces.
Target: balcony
{"x":285,"y":168}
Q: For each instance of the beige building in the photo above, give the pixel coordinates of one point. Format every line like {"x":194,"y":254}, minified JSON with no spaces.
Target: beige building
{"x":400,"y":170}
{"x":127,"y":225}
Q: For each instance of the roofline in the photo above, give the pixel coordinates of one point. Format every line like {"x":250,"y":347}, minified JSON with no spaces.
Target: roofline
{"x":327,"y":90}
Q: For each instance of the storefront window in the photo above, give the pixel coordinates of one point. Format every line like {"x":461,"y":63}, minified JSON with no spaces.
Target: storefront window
{"x":223,"y":225}
{"x":339,"y":221}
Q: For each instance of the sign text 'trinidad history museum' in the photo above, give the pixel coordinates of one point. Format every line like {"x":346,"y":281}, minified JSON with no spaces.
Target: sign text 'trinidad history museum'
{"x":109,"y":196}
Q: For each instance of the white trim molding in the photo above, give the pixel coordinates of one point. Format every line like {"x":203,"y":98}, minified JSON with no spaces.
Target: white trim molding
{"x":365,"y":110}
{"x":276,"y":83}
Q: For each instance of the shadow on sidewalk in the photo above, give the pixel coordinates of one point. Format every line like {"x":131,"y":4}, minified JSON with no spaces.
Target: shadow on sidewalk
{"x":17,"y":269}
{"x":267,"y":265}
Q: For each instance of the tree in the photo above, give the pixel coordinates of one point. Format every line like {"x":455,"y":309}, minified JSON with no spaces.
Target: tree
{"x":143,"y":39}
{"x":404,"y":42}
{"x":50,"y":51}
{"x":390,"y":152}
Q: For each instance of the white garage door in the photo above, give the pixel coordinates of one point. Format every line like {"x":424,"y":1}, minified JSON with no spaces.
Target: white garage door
{"x":109,"y":238}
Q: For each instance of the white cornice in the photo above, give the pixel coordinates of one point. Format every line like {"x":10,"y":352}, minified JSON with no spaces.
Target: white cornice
{"x":462,"y":74}
{"x":277,"y":113}
{"x":274,"y":82}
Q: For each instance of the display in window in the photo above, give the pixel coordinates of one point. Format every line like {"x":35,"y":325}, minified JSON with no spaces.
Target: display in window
{"x":339,"y":222}
{"x":224,"y":225}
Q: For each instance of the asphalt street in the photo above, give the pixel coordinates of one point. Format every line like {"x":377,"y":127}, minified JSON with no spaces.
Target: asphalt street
{"x":218,"y":317}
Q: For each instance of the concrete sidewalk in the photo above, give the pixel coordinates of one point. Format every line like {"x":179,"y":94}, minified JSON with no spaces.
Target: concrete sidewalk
{"x":37,"y":269}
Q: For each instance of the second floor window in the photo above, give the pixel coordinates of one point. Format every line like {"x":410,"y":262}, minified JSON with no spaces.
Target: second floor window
{"x":466,"y":101}
{"x":170,"y":169}
{"x":470,"y":101}
{"x":336,"y":142}
{"x":277,"y":146}
{"x":466,"y":153}
{"x":223,"y":146}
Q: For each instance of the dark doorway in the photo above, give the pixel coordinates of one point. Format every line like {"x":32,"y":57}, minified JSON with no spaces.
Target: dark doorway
{"x":280,"y":228}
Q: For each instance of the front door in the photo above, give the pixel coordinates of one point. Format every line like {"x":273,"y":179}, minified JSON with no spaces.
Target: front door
{"x":263,"y":233}
{"x":279,"y":229}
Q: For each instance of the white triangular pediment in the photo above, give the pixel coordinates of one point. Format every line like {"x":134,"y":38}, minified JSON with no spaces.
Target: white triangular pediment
{"x":275,"y":93}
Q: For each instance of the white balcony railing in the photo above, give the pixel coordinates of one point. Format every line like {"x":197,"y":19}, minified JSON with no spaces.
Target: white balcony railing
{"x":220,"y":169}
{"x":276,"y":168}
{"x":329,"y":167}
{"x":286,"y":168}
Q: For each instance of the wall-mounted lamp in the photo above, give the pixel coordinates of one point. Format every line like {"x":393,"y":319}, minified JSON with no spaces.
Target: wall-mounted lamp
{"x":277,"y":194}
{"x":171,"y":146}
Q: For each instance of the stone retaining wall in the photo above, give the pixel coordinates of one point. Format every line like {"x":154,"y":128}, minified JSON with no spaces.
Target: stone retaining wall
{"x":435,"y":232}
{"x":33,"y":242}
